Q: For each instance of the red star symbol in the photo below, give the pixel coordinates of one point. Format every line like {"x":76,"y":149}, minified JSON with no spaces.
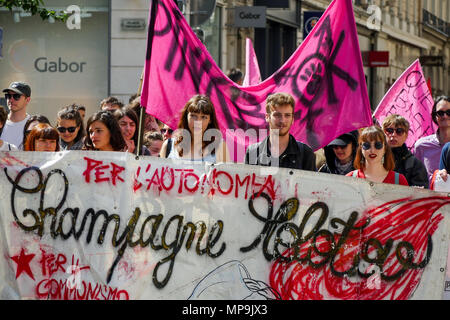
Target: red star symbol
{"x":23,"y":263}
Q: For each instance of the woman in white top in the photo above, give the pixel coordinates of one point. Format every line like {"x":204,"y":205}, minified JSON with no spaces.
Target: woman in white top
{"x":198,"y":136}
{"x":4,"y":146}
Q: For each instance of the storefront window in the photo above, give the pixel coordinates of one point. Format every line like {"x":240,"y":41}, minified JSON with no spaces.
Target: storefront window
{"x":212,"y":34}
{"x":64,"y":63}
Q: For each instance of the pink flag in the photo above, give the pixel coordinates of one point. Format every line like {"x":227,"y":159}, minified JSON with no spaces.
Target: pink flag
{"x":252,"y":73}
{"x":324,"y":75}
{"x":409,"y":97}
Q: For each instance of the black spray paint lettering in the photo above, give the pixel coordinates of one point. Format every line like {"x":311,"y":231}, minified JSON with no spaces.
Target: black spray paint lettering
{"x":125,"y":239}
{"x":315,"y":73}
{"x":275,"y":226}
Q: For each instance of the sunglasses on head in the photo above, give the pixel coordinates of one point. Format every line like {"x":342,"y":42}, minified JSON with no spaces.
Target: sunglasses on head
{"x":441,"y":113}
{"x":64,"y":129}
{"x":167,"y":130}
{"x":16,"y":96}
{"x":367,"y":145}
{"x":399,"y":131}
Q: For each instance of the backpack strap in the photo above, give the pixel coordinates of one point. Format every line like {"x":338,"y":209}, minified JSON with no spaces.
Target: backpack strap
{"x":168,"y":147}
{"x":397,"y":178}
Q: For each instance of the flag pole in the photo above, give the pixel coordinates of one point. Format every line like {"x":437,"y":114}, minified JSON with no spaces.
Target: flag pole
{"x":141,"y":118}
{"x":151,"y":32}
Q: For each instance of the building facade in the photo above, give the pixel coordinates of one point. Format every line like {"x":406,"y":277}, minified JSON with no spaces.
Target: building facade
{"x":100,"y":51}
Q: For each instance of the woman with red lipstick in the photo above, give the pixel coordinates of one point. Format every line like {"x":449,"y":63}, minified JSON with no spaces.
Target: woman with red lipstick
{"x":374,"y":159}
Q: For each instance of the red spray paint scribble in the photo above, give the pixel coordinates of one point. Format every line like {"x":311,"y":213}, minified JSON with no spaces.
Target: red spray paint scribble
{"x":10,"y":161}
{"x":400,"y":220}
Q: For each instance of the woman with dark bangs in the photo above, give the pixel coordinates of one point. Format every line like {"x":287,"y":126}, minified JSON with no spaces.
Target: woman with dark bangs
{"x":198,"y":136}
{"x":103,"y":133}
{"x":374,"y":159}
{"x":43,"y":137}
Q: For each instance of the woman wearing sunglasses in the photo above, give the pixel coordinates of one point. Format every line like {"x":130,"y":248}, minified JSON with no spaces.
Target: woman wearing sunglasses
{"x":374,"y":160}
{"x":70,"y":128}
{"x":396,"y":129}
{"x":428,"y":149}
{"x":43,"y":137}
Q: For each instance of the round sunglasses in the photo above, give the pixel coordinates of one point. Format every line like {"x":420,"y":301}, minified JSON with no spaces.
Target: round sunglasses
{"x":367,"y":145}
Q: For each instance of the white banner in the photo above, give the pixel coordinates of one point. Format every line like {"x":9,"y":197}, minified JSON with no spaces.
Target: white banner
{"x":104,"y":225}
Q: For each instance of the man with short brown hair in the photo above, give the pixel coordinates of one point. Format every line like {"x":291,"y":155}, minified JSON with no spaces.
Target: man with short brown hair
{"x":280,"y":148}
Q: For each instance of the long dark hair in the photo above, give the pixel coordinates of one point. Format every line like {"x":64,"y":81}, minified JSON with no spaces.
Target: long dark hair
{"x":70,"y":113}
{"x":198,"y":104}
{"x":107,"y":118}
{"x":127,"y":111}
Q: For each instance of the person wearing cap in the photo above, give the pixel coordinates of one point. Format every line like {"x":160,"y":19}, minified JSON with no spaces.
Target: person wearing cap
{"x":18,"y":96}
{"x":280,"y":148}
{"x":396,"y":129}
{"x":340,"y":153}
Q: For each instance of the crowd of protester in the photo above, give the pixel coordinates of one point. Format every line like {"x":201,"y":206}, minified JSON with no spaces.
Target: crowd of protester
{"x":377,"y":153}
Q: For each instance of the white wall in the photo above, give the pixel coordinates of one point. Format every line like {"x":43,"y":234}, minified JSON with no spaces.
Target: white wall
{"x":128,"y":48}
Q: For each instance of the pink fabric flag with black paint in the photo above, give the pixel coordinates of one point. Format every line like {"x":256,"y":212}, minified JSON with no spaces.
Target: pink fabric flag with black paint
{"x":252,"y":74}
{"x":409,"y":97}
{"x":324,"y":75}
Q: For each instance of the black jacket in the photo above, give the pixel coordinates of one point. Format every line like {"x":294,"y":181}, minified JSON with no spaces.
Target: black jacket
{"x":296,"y":156}
{"x":330,"y":156}
{"x":412,"y":168}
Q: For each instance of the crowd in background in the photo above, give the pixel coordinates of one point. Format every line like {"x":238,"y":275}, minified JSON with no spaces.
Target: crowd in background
{"x":377,"y":153}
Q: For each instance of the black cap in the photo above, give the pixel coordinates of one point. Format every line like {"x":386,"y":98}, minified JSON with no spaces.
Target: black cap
{"x":20,"y":88}
{"x":342,"y":141}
